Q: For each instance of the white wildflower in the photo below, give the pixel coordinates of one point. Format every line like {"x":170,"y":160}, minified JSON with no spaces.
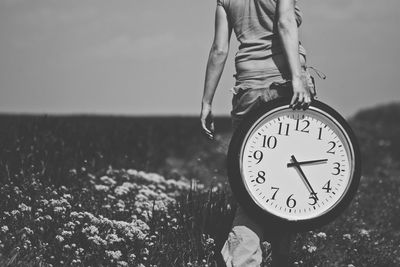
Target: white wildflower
{"x":144,"y":251}
{"x":132,"y":172}
{"x":24,"y":207}
{"x":66,"y":233}
{"x":107,"y":180}
{"x":59,"y":238}
{"x":148,"y":193}
{"x":15,"y":212}
{"x":151,"y":177}
{"x":321,"y":235}
{"x":91,"y":230}
{"x":132,"y":257}
{"x":97,"y":240}
{"x":121,"y":205}
{"x":59,"y":209}
{"x":100,"y":187}
{"x":121,"y":190}
{"x":210,"y":241}
{"x":114,"y":254}
{"x":67,"y":196}
{"x":44,"y":202}
{"x":364,"y":233}
{"x":113,"y":238}
{"x":312,"y":249}
{"x":347,"y":236}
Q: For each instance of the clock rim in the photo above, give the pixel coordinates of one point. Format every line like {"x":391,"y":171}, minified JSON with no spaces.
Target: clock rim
{"x":239,"y":188}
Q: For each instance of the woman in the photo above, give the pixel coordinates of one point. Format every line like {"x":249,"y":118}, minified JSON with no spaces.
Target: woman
{"x":269,"y":52}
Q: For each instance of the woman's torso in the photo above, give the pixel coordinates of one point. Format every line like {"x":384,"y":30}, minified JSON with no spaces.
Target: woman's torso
{"x":260,"y":48}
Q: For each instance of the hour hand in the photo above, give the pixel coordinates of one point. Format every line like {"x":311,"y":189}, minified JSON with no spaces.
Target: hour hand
{"x":298,"y":163}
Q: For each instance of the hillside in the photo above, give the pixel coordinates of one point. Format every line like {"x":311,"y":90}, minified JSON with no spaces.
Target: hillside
{"x":378,"y":131}
{"x":171,"y":146}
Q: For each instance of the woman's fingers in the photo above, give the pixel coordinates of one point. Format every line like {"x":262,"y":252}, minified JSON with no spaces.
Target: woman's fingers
{"x":207,"y":132}
{"x":300,"y":101}
{"x":207,"y":125}
{"x":294,"y":99}
{"x":307,"y":102}
{"x":203,"y":125}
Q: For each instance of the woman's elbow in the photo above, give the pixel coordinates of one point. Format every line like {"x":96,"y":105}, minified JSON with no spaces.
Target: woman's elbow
{"x":286,"y":23}
{"x":219,"y":50}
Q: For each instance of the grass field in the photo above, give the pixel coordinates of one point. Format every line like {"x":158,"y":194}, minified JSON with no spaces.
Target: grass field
{"x":120,"y":191}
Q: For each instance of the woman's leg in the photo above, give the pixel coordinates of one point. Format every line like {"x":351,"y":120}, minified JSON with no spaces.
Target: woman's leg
{"x":242,"y":248}
{"x":281,"y":246}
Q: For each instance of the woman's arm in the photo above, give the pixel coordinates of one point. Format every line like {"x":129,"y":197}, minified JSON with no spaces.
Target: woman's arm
{"x":215,"y":65}
{"x":288,"y":32}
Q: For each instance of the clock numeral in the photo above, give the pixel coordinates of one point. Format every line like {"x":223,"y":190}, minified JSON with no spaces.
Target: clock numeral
{"x":327,"y":186}
{"x":271,"y":142}
{"x":261,"y":177}
{"x":280,"y":129}
{"x":333,"y":144}
{"x":336,"y":168}
{"x":276,"y":191}
{"x":304,"y":130}
{"x":314,"y":198}
{"x":291,"y":202}
{"x":258,"y":155}
{"x":320,"y":133}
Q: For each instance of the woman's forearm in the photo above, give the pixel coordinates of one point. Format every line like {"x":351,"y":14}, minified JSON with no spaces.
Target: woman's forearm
{"x":288,"y":32}
{"x":215,"y":66}
{"x":289,"y":35}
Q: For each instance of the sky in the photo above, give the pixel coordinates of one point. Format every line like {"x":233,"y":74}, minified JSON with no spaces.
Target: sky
{"x":138,"y":57}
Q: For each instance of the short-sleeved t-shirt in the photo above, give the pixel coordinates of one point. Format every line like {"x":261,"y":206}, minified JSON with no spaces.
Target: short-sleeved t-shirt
{"x":254,"y":25}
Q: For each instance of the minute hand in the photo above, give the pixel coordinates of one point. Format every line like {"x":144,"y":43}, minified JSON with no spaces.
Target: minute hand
{"x":297,"y":166}
{"x":297,"y":163}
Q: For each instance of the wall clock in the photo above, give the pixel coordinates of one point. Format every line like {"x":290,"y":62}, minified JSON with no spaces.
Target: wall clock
{"x":297,"y":169}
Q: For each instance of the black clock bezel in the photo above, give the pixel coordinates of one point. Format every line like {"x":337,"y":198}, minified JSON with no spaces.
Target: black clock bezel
{"x":245,"y":200}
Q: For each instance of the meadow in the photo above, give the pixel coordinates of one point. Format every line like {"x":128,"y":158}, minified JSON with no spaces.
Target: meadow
{"x":126,"y":191}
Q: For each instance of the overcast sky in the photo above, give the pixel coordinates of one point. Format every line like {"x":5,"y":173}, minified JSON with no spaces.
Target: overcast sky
{"x":148,"y":57}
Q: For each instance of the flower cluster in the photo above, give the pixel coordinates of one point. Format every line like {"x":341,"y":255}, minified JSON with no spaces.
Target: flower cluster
{"x":109,"y":221}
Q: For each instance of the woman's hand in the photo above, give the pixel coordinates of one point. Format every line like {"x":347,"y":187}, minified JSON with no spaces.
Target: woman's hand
{"x":207,"y":120}
{"x":301,"y":96}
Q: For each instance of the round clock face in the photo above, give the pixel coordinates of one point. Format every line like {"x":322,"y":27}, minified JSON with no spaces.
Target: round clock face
{"x":297,"y":165}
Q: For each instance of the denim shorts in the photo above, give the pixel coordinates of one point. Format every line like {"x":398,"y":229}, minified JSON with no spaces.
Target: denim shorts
{"x":253,"y":88}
